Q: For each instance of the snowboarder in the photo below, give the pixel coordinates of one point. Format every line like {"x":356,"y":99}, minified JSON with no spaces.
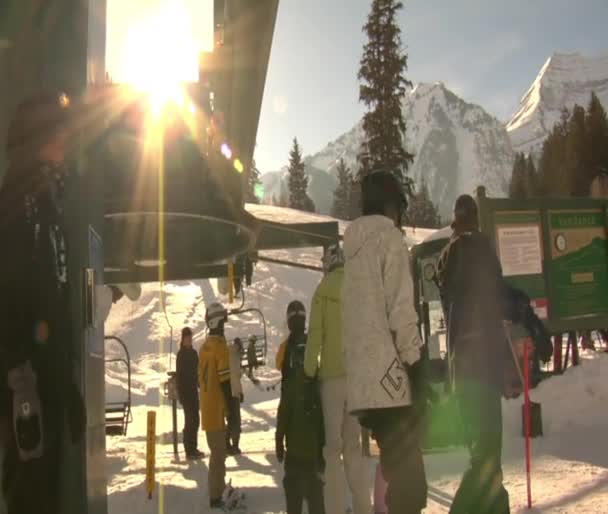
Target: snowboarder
{"x":187,"y":391}
{"x":38,"y":391}
{"x":214,"y":380}
{"x":299,"y":422}
{"x":473,"y":295}
{"x":382,"y":345}
{"x":323,"y":357}
{"x":233,"y":434}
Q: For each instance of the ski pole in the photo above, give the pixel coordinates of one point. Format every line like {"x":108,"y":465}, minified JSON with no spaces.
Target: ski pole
{"x":527,"y":421}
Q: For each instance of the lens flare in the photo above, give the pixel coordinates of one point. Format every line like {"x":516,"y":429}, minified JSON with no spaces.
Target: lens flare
{"x":258,"y":191}
{"x":238,"y":166}
{"x":226,"y":151}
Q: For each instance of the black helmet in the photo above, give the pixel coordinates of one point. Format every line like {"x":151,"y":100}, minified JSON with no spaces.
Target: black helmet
{"x":465,"y":212}
{"x":296,"y":316}
{"x":380,"y":189}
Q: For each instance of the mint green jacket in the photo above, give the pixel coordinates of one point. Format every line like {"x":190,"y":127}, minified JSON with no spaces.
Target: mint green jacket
{"x":324,"y":347}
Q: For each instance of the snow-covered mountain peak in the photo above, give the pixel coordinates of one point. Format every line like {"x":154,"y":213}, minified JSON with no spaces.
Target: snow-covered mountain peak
{"x":457,"y":145}
{"x":563,"y":81}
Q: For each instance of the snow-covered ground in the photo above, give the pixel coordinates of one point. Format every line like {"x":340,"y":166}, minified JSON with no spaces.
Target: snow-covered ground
{"x":570,"y":464}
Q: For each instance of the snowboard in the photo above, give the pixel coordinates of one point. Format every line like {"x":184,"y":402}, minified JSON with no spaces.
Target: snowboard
{"x":380,"y":487}
{"x":234,"y":500}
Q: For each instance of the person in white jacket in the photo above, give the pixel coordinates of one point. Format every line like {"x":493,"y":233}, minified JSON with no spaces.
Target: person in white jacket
{"x":381,"y":340}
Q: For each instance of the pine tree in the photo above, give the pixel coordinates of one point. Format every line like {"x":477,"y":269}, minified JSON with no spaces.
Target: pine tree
{"x":253,"y":185}
{"x":341,"y":207}
{"x":518,"y":188}
{"x":531,"y":177}
{"x":354,"y":198}
{"x":553,"y":174}
{"x":298,"y":180}
{"x":597,"y":133}
{"x":576,"y":156}
{"x":383,"y":86}
{"x":422,"y":212}
{"x":309,"y":205}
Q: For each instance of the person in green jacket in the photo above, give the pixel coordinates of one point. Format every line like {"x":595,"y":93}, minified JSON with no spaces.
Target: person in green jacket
{"x":300,"y":424}
{"x":323,"y":358}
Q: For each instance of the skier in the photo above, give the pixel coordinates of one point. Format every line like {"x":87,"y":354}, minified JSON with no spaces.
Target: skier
{"x":214,"y":380}
{"x":472,"y":291}
{"x":382,"y":345}
{"x":187,"y":390}
{"x":342,"y":431}
{"x":38,"y":392}
{"x":233,"y":434}
{"x":299,"y":422}
{"x":252,"y":359}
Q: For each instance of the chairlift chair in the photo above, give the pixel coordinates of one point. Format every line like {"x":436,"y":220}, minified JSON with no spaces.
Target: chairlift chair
{"x":118,"y":414}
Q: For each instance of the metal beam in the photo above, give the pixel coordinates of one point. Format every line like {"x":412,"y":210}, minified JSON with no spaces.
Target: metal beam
{"x":142,"y":275}
{"x":278,"y":236}
{"x":290,"y":263}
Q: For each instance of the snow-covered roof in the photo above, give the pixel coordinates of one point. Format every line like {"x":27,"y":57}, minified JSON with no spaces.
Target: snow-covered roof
{"x":275,"y":214}
{"x":442,"y":233}
{"x":286,"y":215}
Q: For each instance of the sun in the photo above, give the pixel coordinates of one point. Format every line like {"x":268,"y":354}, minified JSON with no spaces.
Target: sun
{"x":160,"y":53}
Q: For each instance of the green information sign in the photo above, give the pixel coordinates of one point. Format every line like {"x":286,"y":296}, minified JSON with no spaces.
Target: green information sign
{"x":578,"y":268}
{"x":519,"y":244}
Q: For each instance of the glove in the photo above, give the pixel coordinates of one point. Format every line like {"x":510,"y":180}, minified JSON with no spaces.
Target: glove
{"x":310,"y":391}
{"x":242,"y":397}
{"x":27,"y":412}
{"x":419,"y":385}
{"x":279,"y":449}
{"x":77,"y":414}
{"x":540,"y":336}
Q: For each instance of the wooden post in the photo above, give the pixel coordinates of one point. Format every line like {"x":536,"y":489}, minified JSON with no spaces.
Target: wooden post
{"x":151,"y":454}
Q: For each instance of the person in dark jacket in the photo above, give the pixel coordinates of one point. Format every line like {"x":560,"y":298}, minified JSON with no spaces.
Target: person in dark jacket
{"x":187,"y":390}
{"x":299,"y":422}
{"x":473,"y":292}
{"x":252,"y":359}
{"x":36,"y":354}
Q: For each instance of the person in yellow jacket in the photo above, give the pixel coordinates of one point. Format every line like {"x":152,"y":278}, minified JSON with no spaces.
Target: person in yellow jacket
{"x":323,"y":357}
{"x":215,"y":393}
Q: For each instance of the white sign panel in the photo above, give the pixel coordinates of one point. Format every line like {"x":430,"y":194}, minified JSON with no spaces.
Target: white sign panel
{"x":520,"y":250}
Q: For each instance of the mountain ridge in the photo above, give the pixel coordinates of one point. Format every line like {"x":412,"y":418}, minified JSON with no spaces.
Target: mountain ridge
{"x":457,"y":146}
{"x":564,"y":80}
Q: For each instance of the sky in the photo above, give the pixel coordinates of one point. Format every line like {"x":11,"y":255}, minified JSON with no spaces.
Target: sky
{"x":487,"y":51}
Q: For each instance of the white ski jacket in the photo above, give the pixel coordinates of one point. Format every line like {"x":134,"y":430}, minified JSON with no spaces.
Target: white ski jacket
{"x":380,"y":330}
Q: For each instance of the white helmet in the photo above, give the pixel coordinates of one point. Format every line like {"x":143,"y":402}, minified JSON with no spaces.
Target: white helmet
{"x":216,"y":314}
{"x":332,"y":257}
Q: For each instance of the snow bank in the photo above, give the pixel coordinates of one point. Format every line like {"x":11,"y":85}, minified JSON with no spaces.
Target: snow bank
{"x":570,"y":464}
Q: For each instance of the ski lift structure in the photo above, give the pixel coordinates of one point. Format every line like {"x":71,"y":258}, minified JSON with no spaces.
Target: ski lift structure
{"x":179,"y":216}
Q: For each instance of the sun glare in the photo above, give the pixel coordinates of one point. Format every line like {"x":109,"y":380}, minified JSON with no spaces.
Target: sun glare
{"x":160,"y":52}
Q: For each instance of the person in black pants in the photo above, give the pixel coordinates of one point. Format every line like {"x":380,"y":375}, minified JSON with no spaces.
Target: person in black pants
{"x":187,"y":390}
{"x":39,"y":396}
{"x":473,"y":296}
